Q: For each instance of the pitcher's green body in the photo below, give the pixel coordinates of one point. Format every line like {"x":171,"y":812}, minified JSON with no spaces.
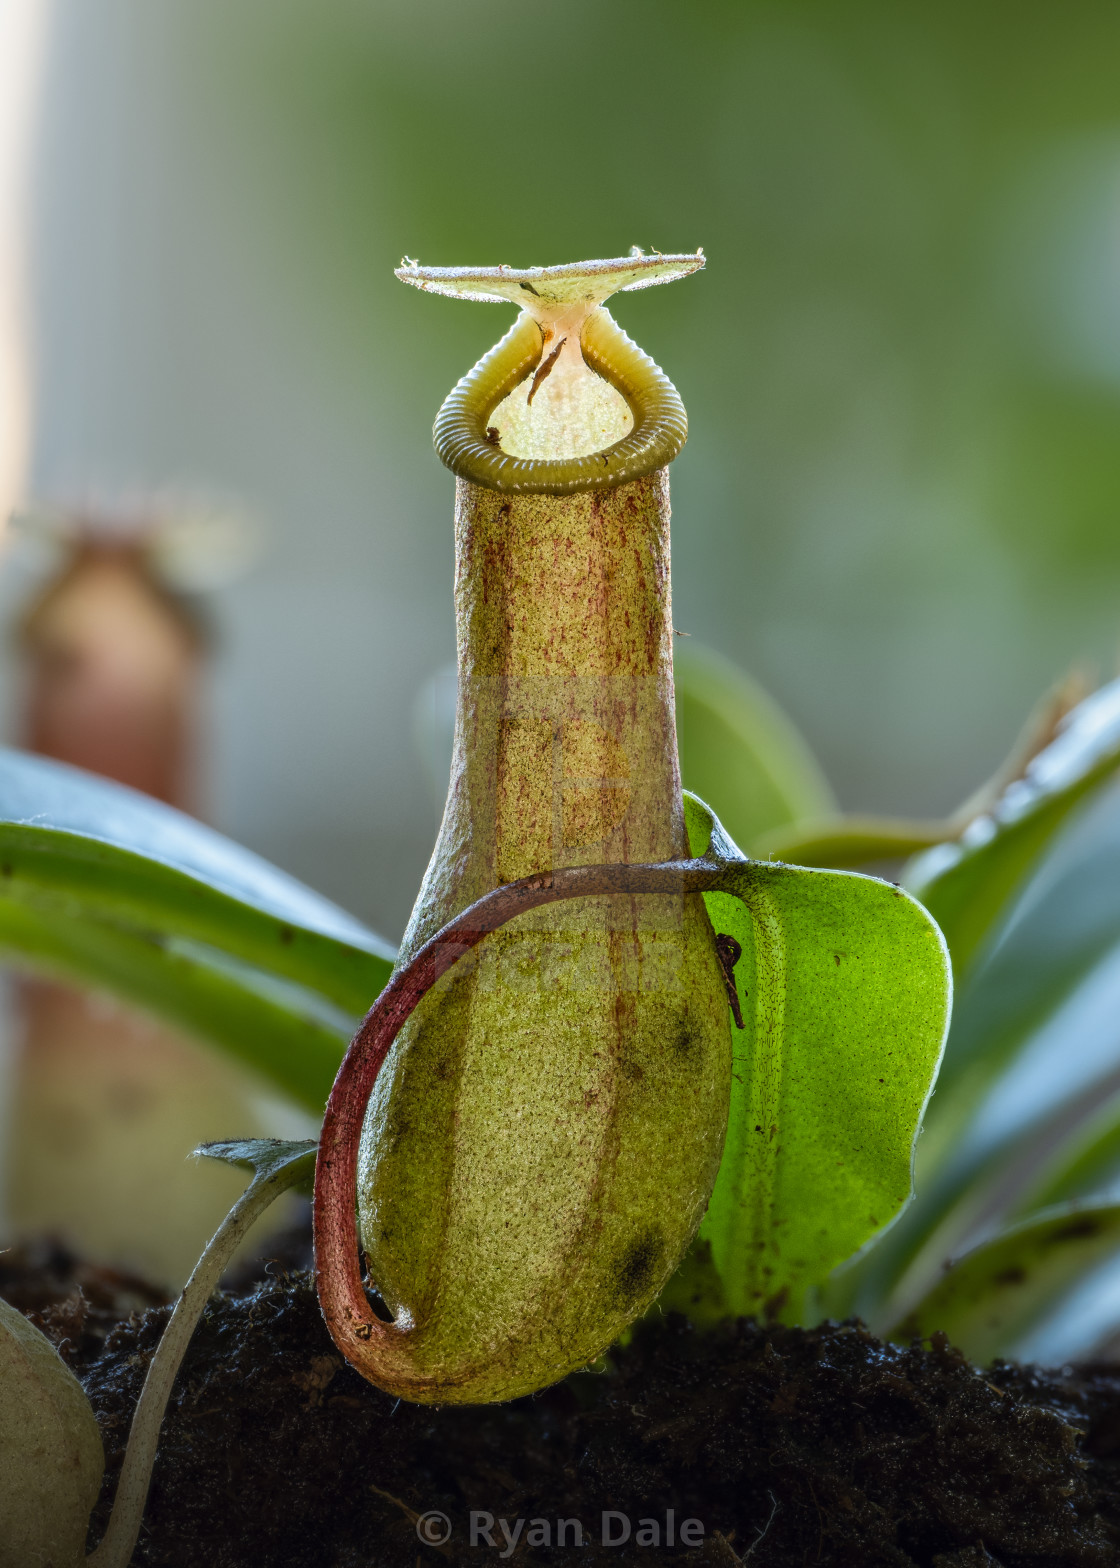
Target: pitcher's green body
{"x":544,"y":1136}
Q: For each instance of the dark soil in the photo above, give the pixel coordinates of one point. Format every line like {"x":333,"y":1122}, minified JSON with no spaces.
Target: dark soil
{"x":75,"y":1303}
{"x":790,"y":1447}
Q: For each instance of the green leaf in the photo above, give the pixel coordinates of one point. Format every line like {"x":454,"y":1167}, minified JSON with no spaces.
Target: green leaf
{"x":739,"y":750}
{"x":67,"y":836}
{"x":1061,"y":931}
{"x":969,"y":885}
{"x":108,"y":888}
{"x":696,"y":1289}
{"x":992,"y":1296}
{"x":1066,"y":925}
{"x":1086,"y":1162}
{"x":975,"y":1174}
{"x":844,"y":989}
{"x":852,"y":840}
{"x":1066,"y":1152}
{"x":847,"y":841}
{"x":284,"y":1043}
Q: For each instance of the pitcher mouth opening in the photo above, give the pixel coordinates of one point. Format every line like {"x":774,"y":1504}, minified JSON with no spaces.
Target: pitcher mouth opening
{"x":566,"y":402}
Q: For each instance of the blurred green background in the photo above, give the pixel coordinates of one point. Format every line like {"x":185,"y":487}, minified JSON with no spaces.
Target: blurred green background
{"x":899,"y":507}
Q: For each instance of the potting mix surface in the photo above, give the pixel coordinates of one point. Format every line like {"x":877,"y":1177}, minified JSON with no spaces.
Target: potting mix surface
{"x":747,"y":1444}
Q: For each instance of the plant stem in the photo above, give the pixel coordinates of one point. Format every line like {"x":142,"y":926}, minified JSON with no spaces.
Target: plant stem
{"x":119,"y":1540}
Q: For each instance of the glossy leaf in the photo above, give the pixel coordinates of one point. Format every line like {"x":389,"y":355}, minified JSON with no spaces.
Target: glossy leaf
{"x":1049,"y":947}
{"x":113,"y":890}
{"x":739,"y":750}
{"x":847,"y":841}
{"x":994,"y":1144}
{"x":969,"y":886}
{"x":281,"y":1040}
{"x":67,"y":835}
{"x":1068,"y":921}
{"x":994,"y":1295}
{"x":1069,"y":1152}
{"x":1045,"y":961}
{"x":844,"y":990}
{"x":1066,"y":1152}
{"x":1086,"y":1162}
{"x":853,"y":840}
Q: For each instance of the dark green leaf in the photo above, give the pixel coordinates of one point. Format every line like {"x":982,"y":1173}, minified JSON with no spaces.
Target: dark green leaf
{"x":1065,"y":1152}
{"x":847,"y":841}
{"x":68,"y":837}
{"x":106,"y":887}
{"x":1086,"y":1162}
{"x":969,"y":886}
{"x":696,"y":1289}
{"x":286,"y":1044}
{"x":973,"y":1174}
{"x":994,"y":1295}
{"x":739,"y":750}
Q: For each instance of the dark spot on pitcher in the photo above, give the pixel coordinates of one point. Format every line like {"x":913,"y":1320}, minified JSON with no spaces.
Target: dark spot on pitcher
{"x":684,"y":1042}
{"x":638,"y":1267}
